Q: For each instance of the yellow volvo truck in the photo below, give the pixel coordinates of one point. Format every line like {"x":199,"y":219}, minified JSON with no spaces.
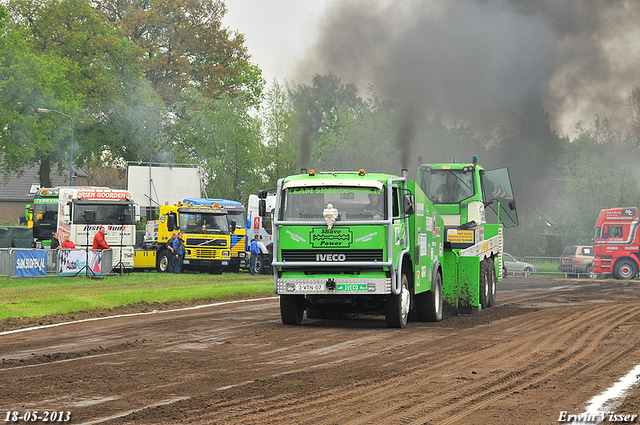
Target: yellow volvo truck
{"x":206,"y":234}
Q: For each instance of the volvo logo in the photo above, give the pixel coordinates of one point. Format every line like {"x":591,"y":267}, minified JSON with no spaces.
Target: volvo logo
{"x":331,"y":257}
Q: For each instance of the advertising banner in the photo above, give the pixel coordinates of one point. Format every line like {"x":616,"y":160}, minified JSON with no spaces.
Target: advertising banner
{"x":31,"y":262}
{"x":73,"y":262}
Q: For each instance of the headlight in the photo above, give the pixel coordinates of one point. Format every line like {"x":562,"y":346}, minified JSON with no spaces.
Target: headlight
{"x":225,"y":253}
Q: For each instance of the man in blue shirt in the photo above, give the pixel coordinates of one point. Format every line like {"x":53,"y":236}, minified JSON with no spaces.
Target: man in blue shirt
{"x":178,"y":252}
{"x":255,"y":251}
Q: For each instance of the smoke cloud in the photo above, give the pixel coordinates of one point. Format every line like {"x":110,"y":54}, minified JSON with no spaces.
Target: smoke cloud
{"x":483,"y":62}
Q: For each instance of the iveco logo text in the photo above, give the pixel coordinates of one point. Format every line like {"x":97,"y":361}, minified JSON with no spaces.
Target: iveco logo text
{"x":331,"y":257}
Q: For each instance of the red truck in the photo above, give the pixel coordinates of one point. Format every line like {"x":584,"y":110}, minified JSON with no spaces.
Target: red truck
{"x":617,"y":243}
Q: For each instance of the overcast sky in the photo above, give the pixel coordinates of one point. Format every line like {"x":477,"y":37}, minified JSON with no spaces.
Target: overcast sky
{"x":277,"y":32}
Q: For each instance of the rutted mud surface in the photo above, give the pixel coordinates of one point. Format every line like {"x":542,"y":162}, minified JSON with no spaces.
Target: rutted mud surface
{"x":548,"y":346}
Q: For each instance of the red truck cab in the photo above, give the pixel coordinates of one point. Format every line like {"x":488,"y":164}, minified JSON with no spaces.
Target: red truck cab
{"x":617,"y":243}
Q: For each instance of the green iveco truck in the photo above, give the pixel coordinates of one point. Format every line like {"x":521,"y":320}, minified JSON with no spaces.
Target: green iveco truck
{"x":371,"y":242}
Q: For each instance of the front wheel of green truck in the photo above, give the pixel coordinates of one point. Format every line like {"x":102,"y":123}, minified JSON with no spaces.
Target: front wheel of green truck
{"x":396,"y":307}
{"x":429,"y":304}
{"x":291,"y":309}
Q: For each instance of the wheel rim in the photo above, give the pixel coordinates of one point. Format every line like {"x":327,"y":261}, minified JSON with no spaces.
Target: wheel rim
{"x":405,"y":300}
{"x":625,"y":271}
{"x":163,"y":263}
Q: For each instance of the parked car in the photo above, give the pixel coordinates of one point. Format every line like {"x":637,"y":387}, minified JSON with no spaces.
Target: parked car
{"x":514,"y":266}
{"x":576,"y":260}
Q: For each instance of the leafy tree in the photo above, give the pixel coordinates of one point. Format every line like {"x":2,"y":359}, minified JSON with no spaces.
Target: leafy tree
{"x":363,"y":139}
{"x":185,"y":45}
{"x":633,"y":101}
{"x":279,"y":153}
{"x":112,"y":107}
{"x":129,"y":125}
{"x":316,"y":110}
{"x":224,"y":138}
{"x":29,"y":81}
{"x":104,"y":170}
{"x":604,"y":177}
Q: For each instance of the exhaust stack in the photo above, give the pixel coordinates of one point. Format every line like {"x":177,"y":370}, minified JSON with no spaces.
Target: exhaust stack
{"x":405,"y":173}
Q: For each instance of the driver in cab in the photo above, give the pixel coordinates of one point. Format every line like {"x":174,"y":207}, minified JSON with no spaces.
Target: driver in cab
{"x":375,"y":205}
{"x":450,"y":192}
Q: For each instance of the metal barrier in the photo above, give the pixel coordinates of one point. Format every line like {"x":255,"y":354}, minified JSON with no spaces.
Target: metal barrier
{"x":549,"y":265}
{"x":5,"y":261}
{"x":544,"y":265}
{"x":8,"y":261}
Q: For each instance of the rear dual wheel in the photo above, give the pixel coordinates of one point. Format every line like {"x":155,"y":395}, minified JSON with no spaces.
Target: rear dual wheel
{"x":487,"y":283}
{"x":493,"y":281}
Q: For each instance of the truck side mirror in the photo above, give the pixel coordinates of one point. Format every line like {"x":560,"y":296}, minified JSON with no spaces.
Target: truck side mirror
{"x":136,"y":208}
{"x":262,"y":194}
{"x":233,"y":225}
{"x":262,"y":207}
{"x":171,"y":222}
{"x":409,"y":203}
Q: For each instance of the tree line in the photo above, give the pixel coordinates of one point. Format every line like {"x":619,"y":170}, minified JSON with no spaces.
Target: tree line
{"x":164,"y":81}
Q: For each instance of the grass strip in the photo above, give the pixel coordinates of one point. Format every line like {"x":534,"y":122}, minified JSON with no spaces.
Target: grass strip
{"x":38,"y":297}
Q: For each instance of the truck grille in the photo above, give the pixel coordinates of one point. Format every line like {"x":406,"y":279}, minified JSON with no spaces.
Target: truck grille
{"x":322,"y":255}
{"x":203,"y":253}
{"x":219,"y":243}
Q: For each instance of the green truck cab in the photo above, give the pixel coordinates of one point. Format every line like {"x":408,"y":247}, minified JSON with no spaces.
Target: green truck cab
{"x":357,"y":242}
{"x":474,"y":243}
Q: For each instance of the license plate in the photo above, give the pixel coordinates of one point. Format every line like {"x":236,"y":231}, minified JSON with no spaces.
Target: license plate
{"x":352,"y":287}
{"x":304,"y":287}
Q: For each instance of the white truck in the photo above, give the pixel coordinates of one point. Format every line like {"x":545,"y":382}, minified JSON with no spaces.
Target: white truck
{"x":263,"y":227}
{"x":81,"y":211}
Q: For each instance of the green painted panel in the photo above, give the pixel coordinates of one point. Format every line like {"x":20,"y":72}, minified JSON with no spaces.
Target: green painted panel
{"x":427,"y":239}
{"x":340,"y":237}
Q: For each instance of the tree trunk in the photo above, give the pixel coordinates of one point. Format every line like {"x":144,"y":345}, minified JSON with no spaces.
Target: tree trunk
{"x":45,"y":171}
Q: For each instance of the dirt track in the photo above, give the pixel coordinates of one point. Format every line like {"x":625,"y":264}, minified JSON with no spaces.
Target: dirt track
{"x":548,"y":346}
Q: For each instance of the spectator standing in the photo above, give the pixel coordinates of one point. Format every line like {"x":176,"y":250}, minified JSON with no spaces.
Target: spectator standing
{"x":55,"y":242}
{"x":255,"y":251}
{"x":67,"y":243}
{"x":178,"y":249}
{"x":170,"y":253}
{"x":98,"y":240}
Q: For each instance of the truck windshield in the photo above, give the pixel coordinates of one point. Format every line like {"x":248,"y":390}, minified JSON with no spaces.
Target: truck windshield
{"x":352,"y":203}
{"x":103,"y":213}
{"x":447,"y":186}
{"x":239,"y":217}
{"x":203,"y":223}
{"x":45,"y":211}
